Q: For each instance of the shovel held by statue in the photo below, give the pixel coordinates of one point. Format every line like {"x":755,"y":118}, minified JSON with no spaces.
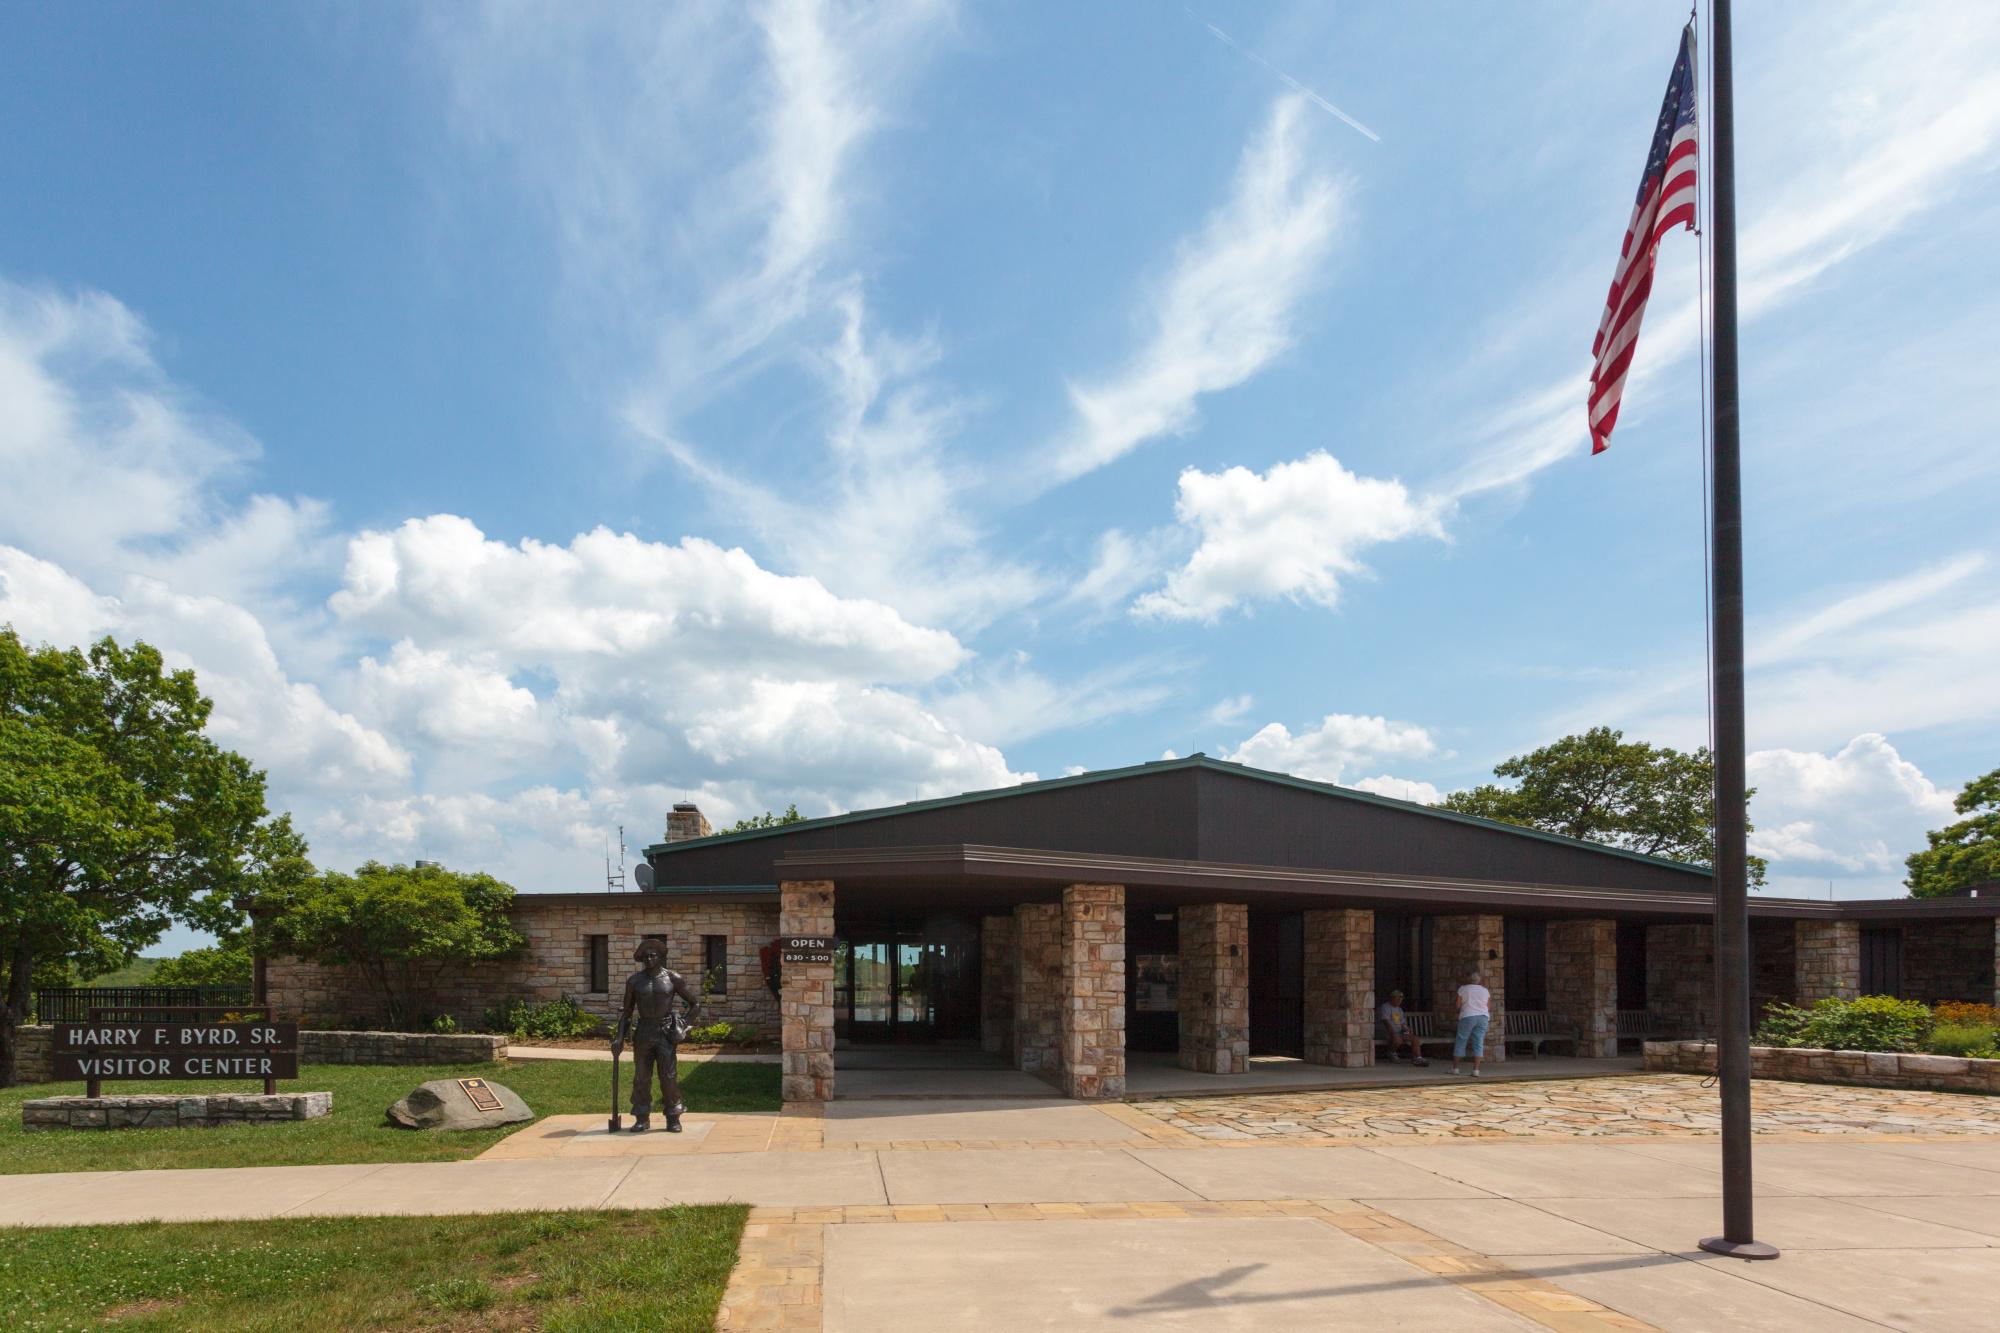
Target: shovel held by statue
{"x":617,"y":1121}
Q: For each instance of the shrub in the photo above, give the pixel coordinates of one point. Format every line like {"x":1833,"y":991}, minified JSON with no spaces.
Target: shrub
{"x":1871,"y":1023}
{"x":1984,"y":1053}
{"x":548,"y":1019}
{"x":444,"y":1024}
{"x":1783,"y":1025}
{"x":1959,"y":1039}
{"x":716,"y":1033}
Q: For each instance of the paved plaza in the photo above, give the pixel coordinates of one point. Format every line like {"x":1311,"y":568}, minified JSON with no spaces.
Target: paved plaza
{"x":1373,"y":1208}
{"x":1640,"y":1107}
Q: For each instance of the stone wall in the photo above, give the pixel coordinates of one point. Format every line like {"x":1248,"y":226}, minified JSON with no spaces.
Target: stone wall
{"x":557,"y":963}
{"x":1093,"y":991}
{"x":806,"y":908}
{"x":1215,"y":988}
{"x":1680,"y":977}
{"x":1460,"y":946}
{"x":170,"y":1111}
{"x":400,"y":1048}
{"x":998,"y":963}
{"x":1828,"y":961}
{"x":1340,"y":988}
{"x":1038,"y":987}
{"x":34,"y":1054}
{"x":1868,"y":1069}
{"x":1773,"y":965}
{"x":1951,"y":960}
{"x":1582,"y":962}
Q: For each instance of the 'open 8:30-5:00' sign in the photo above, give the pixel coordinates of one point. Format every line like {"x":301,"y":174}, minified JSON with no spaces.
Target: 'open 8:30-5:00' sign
{"x":176,"y":1049}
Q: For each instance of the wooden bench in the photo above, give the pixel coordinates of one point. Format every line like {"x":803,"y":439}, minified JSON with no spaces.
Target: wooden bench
{"x":1640,"y":1025}
{"x":1428,"y":1030}
{"x":1533,"y":1027}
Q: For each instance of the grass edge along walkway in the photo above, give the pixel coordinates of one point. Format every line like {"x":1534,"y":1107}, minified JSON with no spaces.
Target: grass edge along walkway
{"x":358,"y":1130}
{"x":566,"y":1272}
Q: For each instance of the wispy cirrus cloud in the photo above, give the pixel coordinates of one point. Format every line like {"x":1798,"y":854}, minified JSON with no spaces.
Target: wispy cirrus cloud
{"x":1225,"y":310}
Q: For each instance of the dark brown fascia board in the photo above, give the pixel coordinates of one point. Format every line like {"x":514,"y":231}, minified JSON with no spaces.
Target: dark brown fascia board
{"x":1019,"y":864}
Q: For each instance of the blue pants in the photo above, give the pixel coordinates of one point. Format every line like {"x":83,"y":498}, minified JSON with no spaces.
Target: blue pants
{"x":1471,"y":1036}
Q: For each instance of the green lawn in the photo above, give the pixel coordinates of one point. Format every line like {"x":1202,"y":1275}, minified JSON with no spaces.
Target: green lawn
{"x":357,"y":1131}
{"x":555,"y":1271}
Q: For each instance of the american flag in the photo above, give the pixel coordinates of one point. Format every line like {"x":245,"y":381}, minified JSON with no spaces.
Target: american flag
{"x":1666,"y":198}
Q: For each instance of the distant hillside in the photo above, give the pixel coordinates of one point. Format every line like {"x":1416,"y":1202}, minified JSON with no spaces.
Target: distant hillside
{"x":135,"y":973}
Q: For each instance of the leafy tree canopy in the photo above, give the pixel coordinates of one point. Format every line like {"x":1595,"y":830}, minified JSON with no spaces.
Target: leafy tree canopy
{"x":225,"y":963}
{"x":1964,"y":853}
{"x":1603,"y":788}
{"x":768,"y":820}
{"x":118,"y":816}
{"x":399,"y":926}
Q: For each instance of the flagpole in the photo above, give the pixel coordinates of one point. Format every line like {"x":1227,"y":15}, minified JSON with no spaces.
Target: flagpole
{"x":1732,"y":911}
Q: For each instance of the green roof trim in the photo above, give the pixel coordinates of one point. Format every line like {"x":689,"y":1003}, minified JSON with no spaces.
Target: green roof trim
{"x":1196,"y":760}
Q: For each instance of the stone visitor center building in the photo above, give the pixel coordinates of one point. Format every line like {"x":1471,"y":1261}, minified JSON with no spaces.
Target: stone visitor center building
{"x":1196,"y":909}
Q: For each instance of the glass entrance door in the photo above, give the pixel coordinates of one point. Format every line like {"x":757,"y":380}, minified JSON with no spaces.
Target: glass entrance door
{"x":906,"y":983}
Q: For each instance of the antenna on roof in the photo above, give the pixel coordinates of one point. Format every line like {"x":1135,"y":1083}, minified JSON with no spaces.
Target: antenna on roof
{"x":614,"y":880}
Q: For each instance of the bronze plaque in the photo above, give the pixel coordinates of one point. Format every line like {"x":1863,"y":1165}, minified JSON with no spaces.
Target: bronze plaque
{"x":481,"y":1096}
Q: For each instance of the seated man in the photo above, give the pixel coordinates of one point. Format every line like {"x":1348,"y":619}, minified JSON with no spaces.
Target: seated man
{"x":1397,"y":1032}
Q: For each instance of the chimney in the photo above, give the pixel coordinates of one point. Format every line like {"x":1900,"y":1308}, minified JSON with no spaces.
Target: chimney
{"x":686,"y":821}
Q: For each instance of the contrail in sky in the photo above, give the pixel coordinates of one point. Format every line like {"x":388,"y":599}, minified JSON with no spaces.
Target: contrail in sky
{"x":1290,"y":82}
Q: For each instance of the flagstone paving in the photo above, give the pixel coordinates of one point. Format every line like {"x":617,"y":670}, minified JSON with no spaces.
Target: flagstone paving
{"x":1646,"y":1106}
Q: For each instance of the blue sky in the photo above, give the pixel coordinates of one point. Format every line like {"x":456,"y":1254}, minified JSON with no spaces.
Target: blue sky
{"x":524,"y":418}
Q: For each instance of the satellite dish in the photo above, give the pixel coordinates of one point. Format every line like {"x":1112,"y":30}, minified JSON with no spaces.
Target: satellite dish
{"x":643,"y":872}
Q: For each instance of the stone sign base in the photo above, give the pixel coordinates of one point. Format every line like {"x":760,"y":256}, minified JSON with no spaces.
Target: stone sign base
{"x":164,"y":1111}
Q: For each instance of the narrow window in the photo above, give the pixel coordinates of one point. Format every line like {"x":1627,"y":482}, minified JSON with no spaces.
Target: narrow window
{"x":600,"y":964}
{"x":715,"y":964}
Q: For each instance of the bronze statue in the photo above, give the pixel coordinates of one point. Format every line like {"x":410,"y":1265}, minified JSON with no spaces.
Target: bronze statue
{"x":650,"y":993}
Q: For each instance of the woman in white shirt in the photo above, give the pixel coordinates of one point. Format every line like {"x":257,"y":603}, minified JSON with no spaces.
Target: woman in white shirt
{"x":1475,"y":1009}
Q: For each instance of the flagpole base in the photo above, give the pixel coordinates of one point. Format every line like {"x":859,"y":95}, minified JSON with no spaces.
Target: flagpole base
{"x":1739,"y":1249}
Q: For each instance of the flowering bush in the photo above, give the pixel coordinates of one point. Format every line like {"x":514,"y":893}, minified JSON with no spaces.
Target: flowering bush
{"x":1957,"y":1013}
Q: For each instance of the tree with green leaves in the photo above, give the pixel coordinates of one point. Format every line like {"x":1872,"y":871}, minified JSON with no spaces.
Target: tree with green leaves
{"x":399,"y":926}
{"x":227,"y":962}
{"x":118,"y":816}
{"x":1964,"y":853}
{"x":768,"y":820}
{"x":1603,"y":788}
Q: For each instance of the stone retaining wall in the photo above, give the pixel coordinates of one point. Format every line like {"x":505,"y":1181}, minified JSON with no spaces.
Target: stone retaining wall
{"x":1868,"y":1069}
{"x":157,"y":1111}
{"x":400,"y":1048}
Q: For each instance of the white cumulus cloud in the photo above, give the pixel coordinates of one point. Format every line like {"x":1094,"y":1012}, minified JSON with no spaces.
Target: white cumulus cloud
{"x":1296,"y":531}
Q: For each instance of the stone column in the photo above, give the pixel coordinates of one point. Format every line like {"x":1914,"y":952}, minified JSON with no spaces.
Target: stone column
{"x":1461,"y":946}
{"x":1996,"y":961}
{"x":1583,"y":982}
{"x":1680,"y":978}
{"x":1340,"y":988}
{"x":999,"y":960}
{"x":1215,"y":988}
{"x":1093,"y":991}
{"x":1828,"y":960}
{"x":805,"y":907}
{"x":1038,"y":987}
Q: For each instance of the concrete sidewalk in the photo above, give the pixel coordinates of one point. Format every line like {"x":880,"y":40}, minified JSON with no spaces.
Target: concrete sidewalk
{"x":1053,"y":1214}
{"x":516,"y":1051}
{"x":1902,"y":1234}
